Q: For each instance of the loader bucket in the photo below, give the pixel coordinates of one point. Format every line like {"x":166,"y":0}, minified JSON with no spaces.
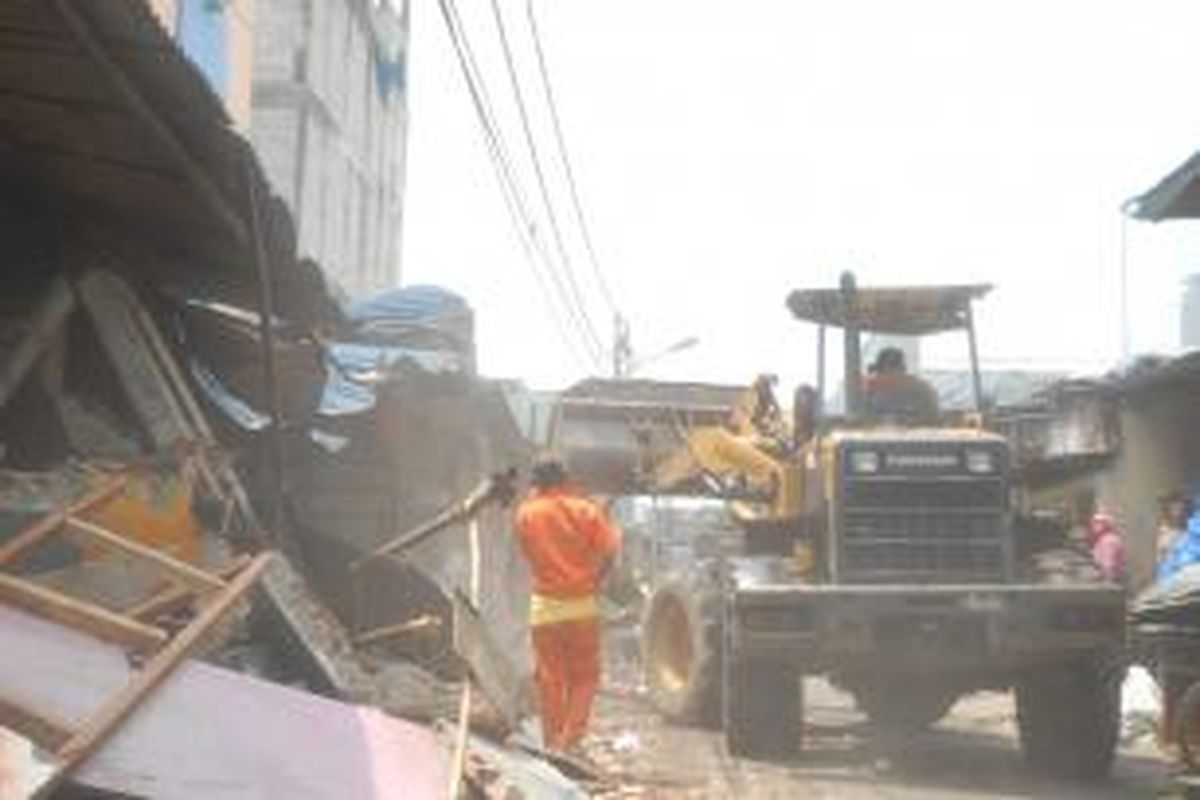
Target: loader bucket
{"x":613,"y":432}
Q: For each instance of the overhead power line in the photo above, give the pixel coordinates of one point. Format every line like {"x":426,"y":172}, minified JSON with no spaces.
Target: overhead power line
{"x":573,"y":188}
{"x":540,"y":176}
{"x":510,"y":190}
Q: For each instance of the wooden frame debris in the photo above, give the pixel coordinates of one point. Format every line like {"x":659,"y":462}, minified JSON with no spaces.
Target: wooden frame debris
{"x":92,"y":734}
{"x":217,"y":594}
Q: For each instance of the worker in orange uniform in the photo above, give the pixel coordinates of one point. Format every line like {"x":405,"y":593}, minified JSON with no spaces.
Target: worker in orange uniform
{"x":570,"y":544}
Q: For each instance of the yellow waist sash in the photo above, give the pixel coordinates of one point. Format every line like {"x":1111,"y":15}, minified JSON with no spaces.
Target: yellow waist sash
{"x":544,"y":610}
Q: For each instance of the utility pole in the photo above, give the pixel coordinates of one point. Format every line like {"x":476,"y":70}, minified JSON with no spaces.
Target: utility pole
{"x":622,"y":352}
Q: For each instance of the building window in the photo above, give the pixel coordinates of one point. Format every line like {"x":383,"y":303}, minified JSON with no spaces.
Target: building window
{"x":203,"y":33}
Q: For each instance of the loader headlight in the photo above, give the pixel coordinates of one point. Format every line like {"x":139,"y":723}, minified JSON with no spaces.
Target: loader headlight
{"x":864,"y":462}
{"x":980,"y":462}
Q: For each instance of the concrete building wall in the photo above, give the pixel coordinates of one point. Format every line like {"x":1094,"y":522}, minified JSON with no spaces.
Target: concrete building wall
{"x":1160,"y":452}
{"x":219,"y":38}
{"x":1189,"y":316}
{"x":329,"y":121}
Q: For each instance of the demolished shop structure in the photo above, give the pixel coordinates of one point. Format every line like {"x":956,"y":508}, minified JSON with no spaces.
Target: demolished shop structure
{"x":153,"y":315}
{"x":1126,"y":439}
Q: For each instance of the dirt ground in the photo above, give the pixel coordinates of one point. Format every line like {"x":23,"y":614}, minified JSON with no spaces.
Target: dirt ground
{"x":972,"y":753}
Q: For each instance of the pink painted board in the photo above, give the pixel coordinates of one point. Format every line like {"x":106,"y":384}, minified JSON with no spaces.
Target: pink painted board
{"x":217,"y":734}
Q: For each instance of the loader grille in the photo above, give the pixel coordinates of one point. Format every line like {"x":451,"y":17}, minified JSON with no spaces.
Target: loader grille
{"x":910,"y":528}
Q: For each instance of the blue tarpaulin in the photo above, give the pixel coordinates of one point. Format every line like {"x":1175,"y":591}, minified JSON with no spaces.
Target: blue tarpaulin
{"x":422,"y":327}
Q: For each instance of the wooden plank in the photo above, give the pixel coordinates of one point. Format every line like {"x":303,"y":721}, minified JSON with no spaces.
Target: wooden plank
{"x":144,"y":384}
{"x":241,"y":736}
{"x":222,"y":470}
{"x":47,"y":320}
{"x":184,"y":573}
{"x":46,"y":732}
{"x":97,"y":729}
{"x":94,"y":620}
{"x":150,"y":378}
{"x":29,"y":538}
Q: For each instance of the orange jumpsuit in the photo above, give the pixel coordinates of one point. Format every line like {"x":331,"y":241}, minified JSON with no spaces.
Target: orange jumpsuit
{"x":567,"y":540}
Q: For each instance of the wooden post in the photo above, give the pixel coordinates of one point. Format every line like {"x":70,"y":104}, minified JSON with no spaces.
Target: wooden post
{"x":96,"y":731}
{"x":29,"y":538}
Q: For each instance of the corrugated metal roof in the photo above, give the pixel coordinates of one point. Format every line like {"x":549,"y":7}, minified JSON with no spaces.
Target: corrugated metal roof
{"x":1177,"y":196}
{"x":76,"y":80}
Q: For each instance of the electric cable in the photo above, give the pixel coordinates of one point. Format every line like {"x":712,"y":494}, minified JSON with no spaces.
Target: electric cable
{"x":506,"y":175}
{"x":568,"y":172}
{"x":540,"y":176}
{"x":510,"y":189}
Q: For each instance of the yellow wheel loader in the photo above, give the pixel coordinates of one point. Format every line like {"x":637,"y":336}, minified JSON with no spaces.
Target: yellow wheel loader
{"x":880,"y":548}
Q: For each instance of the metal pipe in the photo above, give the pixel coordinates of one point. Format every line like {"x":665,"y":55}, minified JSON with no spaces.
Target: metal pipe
{"x":853,"y":351}
{"x":266,"y":324}
{"x":976,"y":377}
{"x":820,"y":369}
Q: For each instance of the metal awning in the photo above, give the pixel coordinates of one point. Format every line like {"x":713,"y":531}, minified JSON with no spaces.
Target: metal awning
{"x":908,"y":311}
{"x":1177,"y":196}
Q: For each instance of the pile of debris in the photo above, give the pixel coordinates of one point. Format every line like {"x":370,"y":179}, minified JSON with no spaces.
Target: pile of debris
{"x":122,"y":559}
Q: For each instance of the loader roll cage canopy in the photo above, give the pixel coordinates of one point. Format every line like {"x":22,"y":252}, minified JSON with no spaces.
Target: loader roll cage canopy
{"x":903,"y":311}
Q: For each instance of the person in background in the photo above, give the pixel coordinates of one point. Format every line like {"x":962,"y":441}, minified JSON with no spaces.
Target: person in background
{"x":569,"y":543}
{"x":1183,"y":550}
{"x":1173,"y":512}
{"x":1108,"y":549}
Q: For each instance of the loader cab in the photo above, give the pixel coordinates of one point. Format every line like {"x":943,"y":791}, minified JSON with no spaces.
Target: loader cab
{"x":883,"y":392}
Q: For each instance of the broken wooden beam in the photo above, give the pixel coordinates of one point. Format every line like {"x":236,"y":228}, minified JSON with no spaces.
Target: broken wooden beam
{"x":180,"y":571}
{"x":29,"y":538}
{"x":67,"y":610}
{"x":96,"y":730}
{"x":177,"y":598}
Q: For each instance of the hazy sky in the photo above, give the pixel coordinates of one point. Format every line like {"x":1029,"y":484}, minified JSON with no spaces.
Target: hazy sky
{"x":730,"y":152}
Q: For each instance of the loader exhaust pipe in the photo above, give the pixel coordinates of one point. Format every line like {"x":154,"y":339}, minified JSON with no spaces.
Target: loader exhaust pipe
{"x":853,"y":350}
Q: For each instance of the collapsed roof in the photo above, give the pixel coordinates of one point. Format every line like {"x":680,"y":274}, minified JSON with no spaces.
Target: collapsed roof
{"x":104,"y":121}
